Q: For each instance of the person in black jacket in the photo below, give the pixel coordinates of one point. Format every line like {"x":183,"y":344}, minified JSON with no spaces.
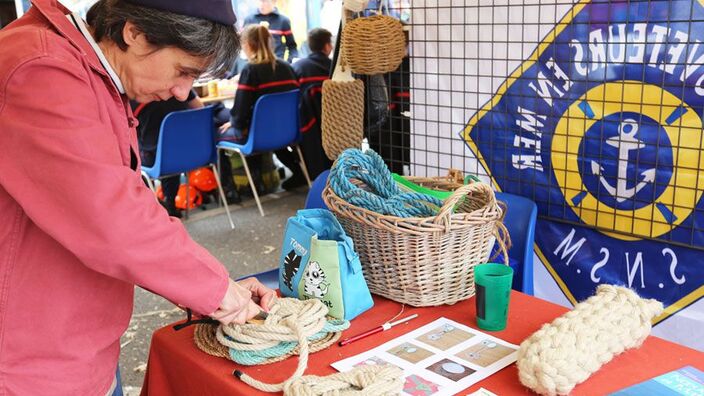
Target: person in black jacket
{"x":150,"y":116}
{"x":264,"y":74}
{"x":279,"y":26}
{"x":311,"y":72}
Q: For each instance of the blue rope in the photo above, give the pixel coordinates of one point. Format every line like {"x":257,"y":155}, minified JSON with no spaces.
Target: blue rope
{"x":385,"y":196}
{"x":250,"y":358}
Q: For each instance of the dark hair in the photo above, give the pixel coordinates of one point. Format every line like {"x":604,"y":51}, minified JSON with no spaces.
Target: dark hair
{"x":318,"y":38}
{"x":219,"y":44}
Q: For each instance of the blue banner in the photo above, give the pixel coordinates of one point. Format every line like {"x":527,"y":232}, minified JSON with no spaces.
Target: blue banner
{"x":602,"y":126}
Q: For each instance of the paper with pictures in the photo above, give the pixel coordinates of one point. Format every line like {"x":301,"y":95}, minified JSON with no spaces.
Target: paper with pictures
{"x":440,"y":358}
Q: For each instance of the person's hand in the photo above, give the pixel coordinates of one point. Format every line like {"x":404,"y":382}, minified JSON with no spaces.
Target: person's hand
{"x":225,"y":127}
{"x":237,"y":305}
{"x":261,"y":294}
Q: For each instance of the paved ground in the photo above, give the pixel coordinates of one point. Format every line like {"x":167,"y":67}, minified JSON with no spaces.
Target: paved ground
{"x":253,"y":246}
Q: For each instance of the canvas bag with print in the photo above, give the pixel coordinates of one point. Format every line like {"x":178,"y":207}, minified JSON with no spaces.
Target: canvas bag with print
{"x":318,"y":260}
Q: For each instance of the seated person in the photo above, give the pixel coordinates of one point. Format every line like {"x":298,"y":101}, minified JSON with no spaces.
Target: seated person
{"x":311,"y":72}
{"x":255,"y":80}
{"x":264,"y":74}
{"x":150,"y":115}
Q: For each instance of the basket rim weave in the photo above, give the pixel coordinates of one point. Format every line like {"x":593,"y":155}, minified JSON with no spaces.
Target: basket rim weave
{"x":420,"y":225}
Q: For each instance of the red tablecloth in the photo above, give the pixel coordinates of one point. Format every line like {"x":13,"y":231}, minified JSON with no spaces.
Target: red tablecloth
{"x":177,"y":367}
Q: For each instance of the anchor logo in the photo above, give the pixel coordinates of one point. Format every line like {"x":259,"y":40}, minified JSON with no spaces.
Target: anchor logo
{"x":625,"y":142}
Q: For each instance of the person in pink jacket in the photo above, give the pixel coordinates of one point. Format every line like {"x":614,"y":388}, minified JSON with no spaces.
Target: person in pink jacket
{"x":79,"y":229}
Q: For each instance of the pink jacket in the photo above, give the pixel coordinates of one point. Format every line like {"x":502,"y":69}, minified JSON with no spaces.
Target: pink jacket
{"x":78,"y":228}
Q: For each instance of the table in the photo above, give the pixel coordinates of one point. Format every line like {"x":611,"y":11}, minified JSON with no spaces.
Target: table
{"x":219,"y":98}
{"x":177,"y":367}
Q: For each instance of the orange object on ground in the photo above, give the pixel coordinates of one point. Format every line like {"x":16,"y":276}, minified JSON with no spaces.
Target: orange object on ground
{"x":195,"y":198}
{"x":160,"y":193}
{"x":176,"y":366}
{"x":203,"y":179}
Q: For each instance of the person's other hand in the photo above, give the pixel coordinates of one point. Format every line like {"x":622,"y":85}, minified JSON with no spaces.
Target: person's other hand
{"x":261,"y":294}
{"x":237,"y":305}
{"x":224,"y":127}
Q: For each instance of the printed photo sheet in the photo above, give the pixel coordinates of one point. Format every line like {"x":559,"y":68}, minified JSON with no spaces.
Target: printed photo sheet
{"x":440,"y":358}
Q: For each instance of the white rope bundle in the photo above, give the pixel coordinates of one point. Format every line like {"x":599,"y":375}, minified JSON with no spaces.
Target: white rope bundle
{"x":386,"y":380}
{"x":289,"y":320}
{"x":295,"y":321}
{"x":567,"y":351}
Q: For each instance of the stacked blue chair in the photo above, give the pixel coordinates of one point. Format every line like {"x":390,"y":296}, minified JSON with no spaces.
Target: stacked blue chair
{"x":185,"y":144}
{"x":520,"y":220}
{"x":274,"y":126}
{"x":315,"y":194}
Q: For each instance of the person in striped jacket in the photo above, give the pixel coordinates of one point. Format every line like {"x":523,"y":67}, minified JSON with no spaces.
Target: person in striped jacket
{"x":279,"y":26}
{"x":311,"y":72}
{"x":264,"y":74}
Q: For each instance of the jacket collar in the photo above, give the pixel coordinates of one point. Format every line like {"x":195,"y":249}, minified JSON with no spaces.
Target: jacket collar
{"x":275,"y":12}
{"x":83,"y":28}
{"x":55,"y":14}
{"x":319,"y":56}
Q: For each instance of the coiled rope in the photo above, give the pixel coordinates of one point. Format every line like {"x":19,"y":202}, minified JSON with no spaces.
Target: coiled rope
{"x":385,"y":380}
{"x":292,"y":327}
{"x":382,"y":194}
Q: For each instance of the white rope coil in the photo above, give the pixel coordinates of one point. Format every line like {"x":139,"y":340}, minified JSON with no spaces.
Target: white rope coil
{"x":386,"y":380}
{"x":287,"y":321}
{"x":567,"y":351}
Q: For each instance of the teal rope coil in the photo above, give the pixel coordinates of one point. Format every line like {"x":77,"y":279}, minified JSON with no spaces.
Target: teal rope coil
{"x":254,"y":357}
{"x":385,"y":196}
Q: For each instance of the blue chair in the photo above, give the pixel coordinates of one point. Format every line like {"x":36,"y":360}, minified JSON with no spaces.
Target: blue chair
{"x":314,"y":200}
{"x":520,"y":219}
{"x":185,"y":144}
{"x":268,"y":278}
{"x":274,"y":126}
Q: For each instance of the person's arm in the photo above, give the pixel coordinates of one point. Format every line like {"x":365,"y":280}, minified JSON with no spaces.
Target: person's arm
{"x":66,"y":168}
{"x":193,"y":101}
{"x":290,"y":41}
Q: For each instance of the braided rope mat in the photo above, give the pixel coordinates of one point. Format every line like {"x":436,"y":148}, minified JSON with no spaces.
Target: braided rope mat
{"x":342,"y":116}
{"x":205,"y":337}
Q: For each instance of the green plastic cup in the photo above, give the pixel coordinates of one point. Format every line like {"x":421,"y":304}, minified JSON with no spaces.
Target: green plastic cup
{"x":492,"y":284}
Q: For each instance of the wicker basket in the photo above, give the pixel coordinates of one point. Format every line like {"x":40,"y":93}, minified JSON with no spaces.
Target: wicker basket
{"x":373,"y":45}
{"x":424,"y":261}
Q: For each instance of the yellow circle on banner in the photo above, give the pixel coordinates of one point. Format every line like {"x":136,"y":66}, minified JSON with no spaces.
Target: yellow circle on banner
{"x":684,"y":130}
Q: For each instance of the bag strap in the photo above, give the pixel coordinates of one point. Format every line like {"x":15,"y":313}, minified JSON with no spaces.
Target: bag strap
{"x":340,"y":72}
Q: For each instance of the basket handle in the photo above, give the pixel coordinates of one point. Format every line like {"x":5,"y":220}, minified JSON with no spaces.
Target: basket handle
{"x":503,"y":239}
{"x":445,"y":213}
{"x":500,"y":231}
